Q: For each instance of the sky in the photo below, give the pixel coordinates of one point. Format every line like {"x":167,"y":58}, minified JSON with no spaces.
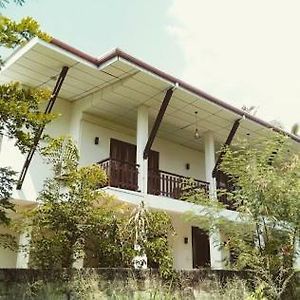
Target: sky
{"x":244,"y":52}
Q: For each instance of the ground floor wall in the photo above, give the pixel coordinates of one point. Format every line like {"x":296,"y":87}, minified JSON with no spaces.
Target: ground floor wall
{"x":181,"y":243}
{"x":193,"y":247}
{"x":8,"y":257}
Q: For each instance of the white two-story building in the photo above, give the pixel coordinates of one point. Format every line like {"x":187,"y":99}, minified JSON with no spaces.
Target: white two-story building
{"x":147,"y":129}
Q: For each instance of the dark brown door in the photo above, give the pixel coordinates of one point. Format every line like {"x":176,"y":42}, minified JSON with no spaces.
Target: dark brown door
{"x":201,"y":250}
{"x":123,"y":171}
{"x":153,"y":173}
{"x":122,"y":151}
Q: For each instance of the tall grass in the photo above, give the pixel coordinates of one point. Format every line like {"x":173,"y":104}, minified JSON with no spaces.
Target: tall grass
{"x":94,"y":286}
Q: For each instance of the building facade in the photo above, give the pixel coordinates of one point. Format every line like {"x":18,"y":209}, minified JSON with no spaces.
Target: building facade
{"x":147,"y":129}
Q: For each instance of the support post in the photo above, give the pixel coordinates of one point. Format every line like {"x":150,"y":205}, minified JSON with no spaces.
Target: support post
{"x":227,"y":143}
{"x":217,"y":257}
{"x":209,"y":149}
{"x":141,"y":140}
{"x":37,"y":137}
{"x":217,"y":253}
{"x":75,"y":124}
{"x":23,"y":251}
{"x":158,"y":120}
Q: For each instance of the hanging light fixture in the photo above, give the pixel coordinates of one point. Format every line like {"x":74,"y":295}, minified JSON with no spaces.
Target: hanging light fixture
{"x":196,"y":133}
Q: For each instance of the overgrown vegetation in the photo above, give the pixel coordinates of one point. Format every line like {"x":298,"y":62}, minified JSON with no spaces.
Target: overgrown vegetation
{"x":266,"y":194}
{"x":76,"y":219}
{"x":20,"y":107}
{"x":89,"y":284}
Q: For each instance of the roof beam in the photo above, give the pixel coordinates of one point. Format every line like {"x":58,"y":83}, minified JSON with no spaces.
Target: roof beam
{"x":229,"y":139}
{"x":38,"y":135}
{"x":157,"y":122}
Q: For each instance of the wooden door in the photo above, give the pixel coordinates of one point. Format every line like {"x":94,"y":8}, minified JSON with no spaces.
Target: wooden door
{"x":201,"y":250}
{"x":123,"y":171}
{"x":122,"y":151}
{"x":153,"y":173}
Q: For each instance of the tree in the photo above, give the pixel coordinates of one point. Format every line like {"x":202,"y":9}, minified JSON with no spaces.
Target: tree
{"x":267,"y":197}
{"x":61,"y":223}
{"x":3,"y":3}
{"x":76,"y":217}
{"x":20,"y":107}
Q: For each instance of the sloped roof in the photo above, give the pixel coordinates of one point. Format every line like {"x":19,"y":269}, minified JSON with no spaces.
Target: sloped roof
{"x":114,"y":85}
{"x":121,"y":54}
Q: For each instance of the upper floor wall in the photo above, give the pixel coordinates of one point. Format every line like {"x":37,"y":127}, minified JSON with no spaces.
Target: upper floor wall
{"x":84,"y":127}
{"x":172,"y":157}
{"x":38,"y":171}
{"x":113,"y":88}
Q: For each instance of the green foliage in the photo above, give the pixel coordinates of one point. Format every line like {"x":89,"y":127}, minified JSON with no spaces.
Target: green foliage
{"x":6,"y":183}
{"x":7,"y":180}
{"x":13,"y":34}
{"x":3,"y":3}
{"x":62,"y":221}
{"x":75,"y":218}
{"x":156,"y":243}
{"x":20,"y":107}
{"x":88,"y":284}
{"x":20,"y":114}
{"x":111,"y":244}
{"x":267,"y":197}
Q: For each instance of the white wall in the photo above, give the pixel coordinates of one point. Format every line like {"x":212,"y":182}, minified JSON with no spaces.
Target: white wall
{"x":172,"y":157}
{"x":182,"y":253}
{"x":8,"y":258}
{"x":11,"y":156}
{"x":91,"y":153}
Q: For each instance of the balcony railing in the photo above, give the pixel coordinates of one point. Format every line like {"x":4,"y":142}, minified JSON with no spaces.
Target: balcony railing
{"x":120,"y":174}
{"x":124,"y":175}
{"x":172,"y":185}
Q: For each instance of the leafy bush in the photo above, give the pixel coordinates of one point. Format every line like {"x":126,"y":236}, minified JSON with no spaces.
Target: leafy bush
{"x":263,"y":184}
{"x":76,"y":219}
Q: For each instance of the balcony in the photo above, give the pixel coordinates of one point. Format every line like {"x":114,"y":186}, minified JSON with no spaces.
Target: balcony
{"x":124,"y":175}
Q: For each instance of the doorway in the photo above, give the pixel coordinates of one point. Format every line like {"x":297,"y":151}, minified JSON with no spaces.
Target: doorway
{"x":123,"y":170}
{"x":201,"y":248}
{"x":153,"y":173}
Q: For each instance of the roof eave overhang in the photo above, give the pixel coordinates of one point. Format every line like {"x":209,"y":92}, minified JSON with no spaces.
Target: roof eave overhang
{"x":118,"y":54}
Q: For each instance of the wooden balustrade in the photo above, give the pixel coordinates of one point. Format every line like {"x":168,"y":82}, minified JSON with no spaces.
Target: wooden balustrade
{"x":120,"y":174}
{"x":172,"y":185}
{"x":124,"y":175}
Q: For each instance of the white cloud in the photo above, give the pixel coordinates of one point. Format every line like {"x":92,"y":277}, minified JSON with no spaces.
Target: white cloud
{"x":243,"y":51}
